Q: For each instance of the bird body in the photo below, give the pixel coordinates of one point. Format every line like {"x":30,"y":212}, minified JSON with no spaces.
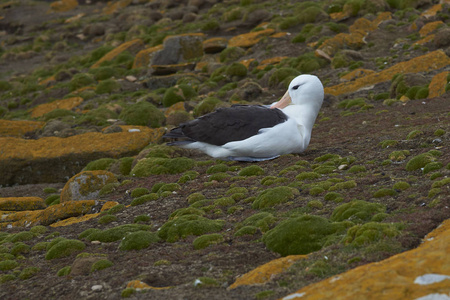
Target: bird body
{"x":254,"y":132}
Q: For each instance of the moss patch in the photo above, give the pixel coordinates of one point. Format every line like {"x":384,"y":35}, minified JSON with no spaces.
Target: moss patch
{"x":207,"y":240}
{"x":274,"y":196}
{"x":64,"y":248}
{"x":154,"y":166}
{"x":356,"y":211}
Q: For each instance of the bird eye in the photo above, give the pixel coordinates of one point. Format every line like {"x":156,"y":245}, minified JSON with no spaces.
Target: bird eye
{"x":295,"y":87}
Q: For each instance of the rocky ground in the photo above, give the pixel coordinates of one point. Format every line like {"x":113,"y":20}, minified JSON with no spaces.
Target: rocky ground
{"x":94,"y":205}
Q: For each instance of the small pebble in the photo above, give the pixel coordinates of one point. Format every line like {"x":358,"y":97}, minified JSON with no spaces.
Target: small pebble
{"x":97,"y":288}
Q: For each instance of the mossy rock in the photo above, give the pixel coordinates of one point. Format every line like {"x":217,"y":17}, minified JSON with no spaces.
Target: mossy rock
{"x":137,"y":192}
{"x":262,"y":220}
{"x":388,"y":143}
{"x":8,"y":264}
{"x":401,"y":185}
{"x":173,"y":95}
{"x":188,"y":176}
{"x":156,"y":166}
{"x":186,"y":211}
{"x":144,"y":114}
{"x":236,"y":69}
{"x":343,"y":185}
{"x":206,"y":106}
{"x":59,"y":113}
{"x":253,"y":170}
{"x":283,"y":75}
{"x":274,"y":196}
{"x":65,"y":271}
{"x":138,"y":240}
{"x":101,"y":264}
{"x":20,"y":248}
{"x":413,"y":134}
{"x":102,"y":73}
{"x":420,"y":161}
{"x":112,"y":234}
{"x":307,"y":176}
{"x":356,"y":211}
{"x":187,"y":225}
{"x":205,"y":282}
{"x":301,"y":235}
{"x":432,"y":166}
{"x":397,"y":156}
{"x":357,"y":169}
{"x":107,"y":86}
{"x":80,"y":80}
{"x":224,"y":201}
{"x":207,"y":240}
{"x":363,"y":234}
{"x":52,"y":200}
{"x":21,"y":236}
{"x":99,"y":164}
{"x":194,"y":197}
{"x":142,"y":219}
{"x":41,"y":246}
{"x":246,"y":230}
{"x":98,"y":117}
{"x":383,"y":192}
{"x":28,"y":273}
{"x":107,"y":219}
{"x":64,"y":248}
{"x":217,"y":168}
{"x":231,"y":54}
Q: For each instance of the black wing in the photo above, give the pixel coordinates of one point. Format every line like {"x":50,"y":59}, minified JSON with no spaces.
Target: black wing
{"x":235,"y":123}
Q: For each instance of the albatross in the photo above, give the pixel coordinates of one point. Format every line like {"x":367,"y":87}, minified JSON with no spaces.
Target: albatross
{"x":255,"y":132}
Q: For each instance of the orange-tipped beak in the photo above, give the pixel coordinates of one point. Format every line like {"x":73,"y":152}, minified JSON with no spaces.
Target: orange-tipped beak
{"x":284,"y":101}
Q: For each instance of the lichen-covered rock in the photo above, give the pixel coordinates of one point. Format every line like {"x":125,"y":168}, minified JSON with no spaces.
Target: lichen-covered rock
{"x":131,"y":46}
{"x":249,"y":39}
{"x":214,"y":45}
{"x":21,"y":203}
{"x":178,"y":49}
{"x":265,"y":273}
{"x":143,"y":57}
{"x":68,"y":104}
{"x":430,"y":61}
{"x":437,"y":84}
{"x":63,"y":5}
{"x":18,"y":128}
{"x":86,"y":185}
{"x":418,"y":273}
{"x":53,"y":159}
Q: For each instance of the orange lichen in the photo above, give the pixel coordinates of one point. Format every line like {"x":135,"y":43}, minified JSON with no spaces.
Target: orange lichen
{"x":143,"y":57}
{"x":68,"y":103}
{"x":47,"y":80}
{"x":249,"y":39}
{"x":113,"y":7}
{"x":176,"y":107}
{"x":430,"y":61}
{"x":215,"y":43}
{"x":132,"y":46}
{"x":264,"y":273}
{"x":425,"y":40}
{"x":18,"y":128}
{"x":111,"y":145}
{"x":74,"y":18}
{"x":74,"y":220}
{"x":430,"y":27}
{"x":63,"y":5}
{"x":397,"y":277}
{"x":139,"y":285}
{"x":108,"y":205}
{"x":339,"y":16}
{"x":86,"y":185}
{"x":279,"y":35}
{"x":437,"y":84}
{"x":270,"y":61}
{"x":431,"y":12}
{"x":21,"y":203}
{"x":356,"y":74}
{"x":247,"y":62}
{"x":47,"y":216}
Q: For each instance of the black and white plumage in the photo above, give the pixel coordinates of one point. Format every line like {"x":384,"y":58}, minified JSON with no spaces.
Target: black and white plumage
{"x":254,"y":132}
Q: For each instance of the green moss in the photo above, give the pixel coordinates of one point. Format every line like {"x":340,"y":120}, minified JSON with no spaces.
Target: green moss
{"x":435,"y":175}
{"x":206,"y":106}
{"x":253,"y":170}
{"x":217,"y":168}
{"x":115,"y":209}
{"x":401,"y":185}
{"x":126,"y":293}
{"x":219,"y":177}
{"x":343,"y":185}
{"x":398,"y":156}
{"x":112,"y":234}
{"x":388,"y":143}
{"x":7,"y":277}
{"x":283,"y":75}
{"x":38,"y":229}
{"x":138,"y":240}
{"x":194,"y":197}
{"x":413,"y":134}
{"x":50,"y":190}
{"x":307,"y":176}
{"x":22,"y":236}
{"x":186,"y":211}
{"x":64,"y":248}
{"x":231,"y":54}
{"x":125,"y":164}
{"x":102,"y":73}
{"x":315,"y":204}
{"x":99,"y":164}
{"x":41,"y":246}
{"x":383,"y":192}
{"x":52,"y":199}
{"x":28,"y":273}
{"x":379,"y":217}
{"x":188,"y":176}
{"x":144,"y":114}
{"x":363,"y":234}
{"x":236,"y":69}
{"x":441,"y":183}
{"x":207,"y":240}
{"x":264,"y":294}
{"x":107,"y":219}
{"x":80,"y":80}
{"x":155,"y":166}
{"x":142,"y":219}
{"x":107,"y":86}
{"x":433,"y":192}
{"x":20,"y":248}
{"x":101,"y":264}
{"x":269,"y":180}
{"x":6,"y":256}
{"x":274,"y":196}
{"x":419,"y":161}
{"x":432,"y":166}
{"x":356,"y":211}
{"x":8,"y":265}
{"x":173,"y":95}
{"x":137,"y":192}
{"x":58,"y":113}
{"x":300,"y":235}
{"x":205,"y":282}
{"x":357,"y":169}
{"x":65,"y":271}
{"x":246,"y":230}
{"x":333,"y":196}
{"x":439,"y":132}
{"x":187,"y":225}
{"x":262,"y":220}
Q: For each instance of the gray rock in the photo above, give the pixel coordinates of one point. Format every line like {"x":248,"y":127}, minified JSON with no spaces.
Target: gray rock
{"x":179,"y":48}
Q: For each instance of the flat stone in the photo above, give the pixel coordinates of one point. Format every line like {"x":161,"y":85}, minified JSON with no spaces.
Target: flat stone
{"x":179,"y":49}
{"x":432,"y":11}
{"x":171,"y":69}
{"x":18,"y":128}
{"x":134,"y":46}
{"x":143,"y":57}
{"x":86,"y":185}
{"x":264,"y":273}
{"x":22,"y":203}
{"x":214,"y":45}
{"x":68,"y":104}
{"x":430,"y":27}
{"x":427,"y":62}
{"x":54,"y":159}
{"x":401,"y":276}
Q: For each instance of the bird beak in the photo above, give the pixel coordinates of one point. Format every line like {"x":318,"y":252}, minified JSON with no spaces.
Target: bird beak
{"x":284,"y":101}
